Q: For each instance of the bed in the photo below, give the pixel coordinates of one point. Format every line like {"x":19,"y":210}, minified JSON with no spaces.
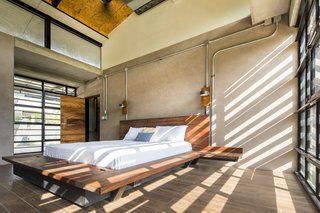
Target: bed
{"x":85,"y":173}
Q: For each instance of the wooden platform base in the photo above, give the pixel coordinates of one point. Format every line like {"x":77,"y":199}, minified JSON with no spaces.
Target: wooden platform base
{"x":222,"y":153}
{"x":76,"y":195}
{"x":85,"y":184}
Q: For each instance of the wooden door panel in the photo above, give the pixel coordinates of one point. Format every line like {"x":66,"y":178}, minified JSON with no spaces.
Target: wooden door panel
{"x":72,"y":138}
{"x":72,"y":119}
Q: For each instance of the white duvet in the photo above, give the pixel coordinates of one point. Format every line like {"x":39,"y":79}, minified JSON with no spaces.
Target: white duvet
{"x":117,"y":154}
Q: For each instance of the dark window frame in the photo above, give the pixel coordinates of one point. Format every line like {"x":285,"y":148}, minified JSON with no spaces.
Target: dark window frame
{"x":306,"y":62}
{"x":43,"y":107}
{"x":48,"y":19}
{"x":312,"y":6}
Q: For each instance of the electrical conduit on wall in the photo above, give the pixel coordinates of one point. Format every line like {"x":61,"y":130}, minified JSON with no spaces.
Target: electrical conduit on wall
{"x":206,"y":45}
{"x":212,"y":112}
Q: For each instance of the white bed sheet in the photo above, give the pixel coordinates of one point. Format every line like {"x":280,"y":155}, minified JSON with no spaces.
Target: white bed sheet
{"x":117,"y":154}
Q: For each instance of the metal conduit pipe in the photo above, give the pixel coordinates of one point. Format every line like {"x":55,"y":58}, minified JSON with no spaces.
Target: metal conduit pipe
{"x":206,"y":108}
{"x":186,"y":50}
{"x":105,"y":97}
{"x":213,"y":70}
{"x":157,"y":59}
{"x":126,"y":88}
{"x":207,"y":65}
{"x":207,"y":43}
{"x":236,"y":33}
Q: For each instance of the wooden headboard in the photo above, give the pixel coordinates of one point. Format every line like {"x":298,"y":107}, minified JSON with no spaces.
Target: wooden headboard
{"x":197,"y":132}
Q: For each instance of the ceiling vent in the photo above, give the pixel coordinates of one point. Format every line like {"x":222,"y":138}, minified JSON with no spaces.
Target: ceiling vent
{"x":141,"y":6}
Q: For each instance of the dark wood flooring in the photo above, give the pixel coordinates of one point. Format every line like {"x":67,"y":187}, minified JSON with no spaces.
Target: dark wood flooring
{"x":209,"y":186}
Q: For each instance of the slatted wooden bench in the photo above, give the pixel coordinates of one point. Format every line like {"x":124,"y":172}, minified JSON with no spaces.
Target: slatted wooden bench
{"x":85,"y":184}
{"x":222,"y":153}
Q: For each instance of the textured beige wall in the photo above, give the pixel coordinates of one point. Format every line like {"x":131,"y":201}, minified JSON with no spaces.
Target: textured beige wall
{"x":169,"y":87}
{"x":256,"y":95}
{"x":116,"y":92}
{"x":255,"y":91}
{"x":6,"y":94}
{"x":91,"y":88}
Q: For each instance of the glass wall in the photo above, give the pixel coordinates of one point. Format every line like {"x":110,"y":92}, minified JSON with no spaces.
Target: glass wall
{"x":316,"y":67}
{"x":27,"y":23}
{"x":20,"y":23}
{"x":302,"y":46}
{"x":37,"y":113}
{"x":309,"y":98}
{"x":73,"y":46}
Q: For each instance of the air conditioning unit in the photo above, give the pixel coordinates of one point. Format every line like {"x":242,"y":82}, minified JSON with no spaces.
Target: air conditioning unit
{"x":141,"y":6}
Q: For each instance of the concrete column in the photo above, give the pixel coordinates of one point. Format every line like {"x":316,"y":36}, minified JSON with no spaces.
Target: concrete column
{"x":6,"y":95}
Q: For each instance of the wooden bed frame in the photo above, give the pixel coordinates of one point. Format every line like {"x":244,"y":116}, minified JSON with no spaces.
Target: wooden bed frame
{"x":197,"y":132}
{"x":85,"y":184}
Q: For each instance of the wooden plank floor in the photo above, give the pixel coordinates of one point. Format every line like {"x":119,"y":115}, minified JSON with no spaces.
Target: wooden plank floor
{"x":209,"y":186}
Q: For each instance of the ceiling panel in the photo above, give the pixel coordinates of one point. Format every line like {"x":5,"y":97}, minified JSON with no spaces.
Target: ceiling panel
{"x":94,"y":14}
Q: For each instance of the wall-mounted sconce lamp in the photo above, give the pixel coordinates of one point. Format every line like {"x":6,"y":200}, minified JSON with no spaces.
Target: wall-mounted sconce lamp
{"x":205,"y":96}
{"x":124,"y":107}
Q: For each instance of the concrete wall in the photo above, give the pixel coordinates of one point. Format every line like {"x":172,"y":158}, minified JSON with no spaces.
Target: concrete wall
{"x":6,"y":94}
{"x":172,"y":22}
{"x":255,"y":92}
{"x":256,"y":97}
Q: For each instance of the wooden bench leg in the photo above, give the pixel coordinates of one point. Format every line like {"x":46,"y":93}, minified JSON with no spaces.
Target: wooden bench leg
{"x":117,"y":194}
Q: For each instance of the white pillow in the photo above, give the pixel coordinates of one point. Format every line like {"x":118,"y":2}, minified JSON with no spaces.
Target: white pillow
{"x":132,"y":133}
{"x":169,"y":133}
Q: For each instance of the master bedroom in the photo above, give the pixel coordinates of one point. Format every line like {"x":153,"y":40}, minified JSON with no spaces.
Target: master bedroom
{"x":159,"y":106}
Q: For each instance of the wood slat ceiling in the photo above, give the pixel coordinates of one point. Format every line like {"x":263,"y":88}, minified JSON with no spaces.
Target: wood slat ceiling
{"x":94,"y":14}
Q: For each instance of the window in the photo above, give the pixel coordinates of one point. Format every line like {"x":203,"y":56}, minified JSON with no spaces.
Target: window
{"x":302,"y":130}
{"x":302,"y":167}
{"x":37,"y":113}
{"x":302,"y":46}
{"x":312,"y":20}
{"x":23,"y":21}
{"x":311,"y":130}
{"x":311,"y":175}
{"x":309,"y":98}
{"x":318,"y":128}
{"x":73,"y":46}
{"x":308,"y":83}
{"x":302,"y":88}
{"x":316,"y":68}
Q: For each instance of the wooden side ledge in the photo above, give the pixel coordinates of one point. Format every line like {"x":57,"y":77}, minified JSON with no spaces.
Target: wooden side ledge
{"x":222,"y":153}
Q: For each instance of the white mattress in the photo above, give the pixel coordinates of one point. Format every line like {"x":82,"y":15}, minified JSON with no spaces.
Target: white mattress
{"x":117,"y":154}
